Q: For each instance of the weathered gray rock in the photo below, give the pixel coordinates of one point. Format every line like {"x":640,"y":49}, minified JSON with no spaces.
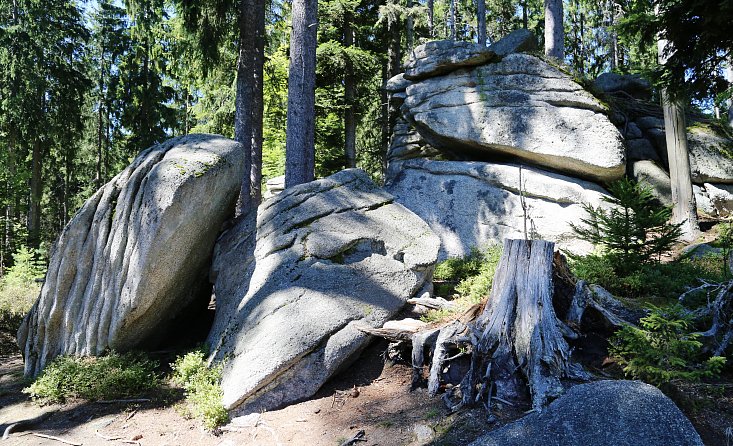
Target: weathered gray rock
{"x":407,"y":143}
{"x":292,"y":287}
{"x":650,"y":122}
{"x":721,"y":198}
{"x":640,"y":149}
{"x":619,"y":413}
{"x":517,"y":41}
{"x":136,"y":253}
{"x":274,"y":186}
{"x":397,"y":84}
{"x":699,"y":250}
{"x":443,"y":56}
{"x":632,"y":131}
{"x":520,"y":107}
{"x":472,"y":204}
{"x":711,"y":156}
{"x":657,"y":179}
{"x":628,"y":83}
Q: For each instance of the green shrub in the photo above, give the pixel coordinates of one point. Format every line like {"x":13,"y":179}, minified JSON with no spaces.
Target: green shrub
{"x":651,"y":281}
{"x":663,"y":349}
{"x":95,"y":378}
{"x":18,"y":289}
{"x":203,"y":388}
{"x":633,"y":231}
{"x":472,"y":275}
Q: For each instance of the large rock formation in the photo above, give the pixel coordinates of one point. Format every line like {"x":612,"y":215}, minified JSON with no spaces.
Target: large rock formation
{"x":455,"y":151}
{"x":520,"y":107}
{"x":471,"y":204}
{"x":622,"y":413}
{"x":136,"y":253}
{"x":293,"y":286}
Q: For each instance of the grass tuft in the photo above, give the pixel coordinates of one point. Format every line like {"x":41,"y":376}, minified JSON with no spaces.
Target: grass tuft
{"x":108,"y":377}
{"x":203,"y":388}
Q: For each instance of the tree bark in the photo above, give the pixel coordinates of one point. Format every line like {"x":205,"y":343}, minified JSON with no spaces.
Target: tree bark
{"x":34,"y":210}
{"x":349,"y":96}
{"x":300,"y":138}
{"x":729,"y":78}
{"x":453,"y":19}
{"x":257,"y":104}
{"x":431,"y":18}
{"x":554,"y":32}
{"x":684,"y":209}
{"x":410,"y":27}
{"x":525,"y":15}
{"x":394,"y":57}
{"x":481,"y":12}
{"x":248,"y":100}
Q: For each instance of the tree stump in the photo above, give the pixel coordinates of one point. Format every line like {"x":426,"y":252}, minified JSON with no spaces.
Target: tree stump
{"x":517,"y":341}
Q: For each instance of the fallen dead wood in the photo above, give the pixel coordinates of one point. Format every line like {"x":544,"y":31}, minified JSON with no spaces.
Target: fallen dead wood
{"x":51,"y":437}
{"x":22,"y":425}
{"x":359,"y":436}
{"x":133,"y":400}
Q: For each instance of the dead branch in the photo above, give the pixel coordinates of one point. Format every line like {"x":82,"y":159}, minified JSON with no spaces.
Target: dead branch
{"x":51,"y":437}
{"x":25,"y":424}
{"x":359,"y":436}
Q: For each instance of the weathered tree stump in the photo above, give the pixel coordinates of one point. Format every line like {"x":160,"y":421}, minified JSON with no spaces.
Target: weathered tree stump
{"x":517,"y":343}
{"x":521,"y":338}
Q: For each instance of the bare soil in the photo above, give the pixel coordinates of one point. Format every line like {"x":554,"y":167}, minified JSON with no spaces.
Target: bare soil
{"x":372,"y":395}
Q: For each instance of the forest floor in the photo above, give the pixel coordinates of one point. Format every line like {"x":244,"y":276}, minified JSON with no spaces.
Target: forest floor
{"x":373,"y":395}
{"x":382,"y":406}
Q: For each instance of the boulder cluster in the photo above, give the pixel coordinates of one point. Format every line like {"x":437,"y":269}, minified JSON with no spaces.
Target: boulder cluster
{"x":491,"y":143}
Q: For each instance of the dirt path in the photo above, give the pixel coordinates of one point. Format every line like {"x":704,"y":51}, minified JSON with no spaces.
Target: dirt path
{"x":382,"y":406}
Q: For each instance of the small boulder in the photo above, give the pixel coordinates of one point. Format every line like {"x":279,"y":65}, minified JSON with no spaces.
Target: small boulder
{"x":640,"y":149}
{"x":711,"y":156}
{"x":634,"y":85}
{"x":517,"y":41}
{"x":136,"y":254}
{"x":443,"y":56}
{"x":721,"y":198}
{"x":619,"y":413}
{"x":292,"y":287}
{"x":397,"y":84}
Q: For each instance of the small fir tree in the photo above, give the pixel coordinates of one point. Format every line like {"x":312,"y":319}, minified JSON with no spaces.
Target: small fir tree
{"x":634,"y":229}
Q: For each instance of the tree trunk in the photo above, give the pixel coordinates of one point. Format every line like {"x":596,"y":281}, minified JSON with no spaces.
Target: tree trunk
{"x":100,"y":122}
{"x":684,"y":209}
{"x":410,"y":27}
{"x":34,"y":210}
{"x":393,"y":69}
{"x":525,"y":15}
{"x":349,"y":95}
{"x":453,"y":19}
{"x":257,"y":103}
{"x":431,"y":18}
{"x":244,"y":90}
{"x":384,"y":101}
{"x":729,"y":78}
{"x":554,"y":33}
{"x":300,"y":138}
{"x":481,"y":12}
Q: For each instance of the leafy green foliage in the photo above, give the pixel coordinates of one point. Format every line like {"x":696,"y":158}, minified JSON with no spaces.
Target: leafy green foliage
{"x":649,"y":281}
{"x":663,"y":348}
{"x":18,"y":289}
{"x":472,"y":275}
{"x":203,"y":388}
{"x":95,"y":378}
{"x":633,"y":230}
